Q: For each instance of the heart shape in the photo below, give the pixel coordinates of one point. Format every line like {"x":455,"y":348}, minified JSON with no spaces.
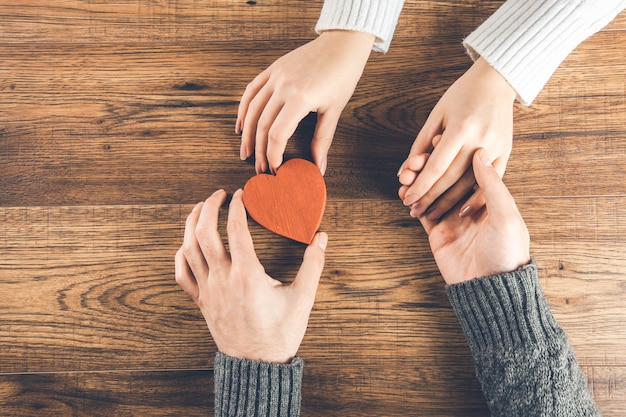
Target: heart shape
{"x":290,"y":203}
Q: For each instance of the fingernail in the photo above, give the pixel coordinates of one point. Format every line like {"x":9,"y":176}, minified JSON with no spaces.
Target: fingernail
{"x":243,"y":152}
{"x":419,"y":209}
{"x":323,"y":164}
{"x":410,"y":199}
{"x":322,"y":241}
{"x":484,"y":158}
{"x":238,"y":126}
{"x":466,"y":211}
{"x":401,"y":168}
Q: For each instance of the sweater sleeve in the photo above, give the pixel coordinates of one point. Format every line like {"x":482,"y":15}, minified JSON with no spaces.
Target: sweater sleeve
{"x":523,"y":358}
{"x":251,"y":388}
{"x":526,"y":40}
{"x":376,"y":17}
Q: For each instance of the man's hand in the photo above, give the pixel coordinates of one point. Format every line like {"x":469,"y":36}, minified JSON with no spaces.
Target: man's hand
{"x":249,"y":314}
{"x":492,"y":240}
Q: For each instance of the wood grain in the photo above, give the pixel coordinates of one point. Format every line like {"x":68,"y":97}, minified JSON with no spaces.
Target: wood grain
{"x":117,"y":117}
{"x":83,"y":284}
{"x":110,"y":148}
{"x":69,"y":21}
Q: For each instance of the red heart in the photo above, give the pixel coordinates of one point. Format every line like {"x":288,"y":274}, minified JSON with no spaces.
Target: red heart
{"x":291,"y":203}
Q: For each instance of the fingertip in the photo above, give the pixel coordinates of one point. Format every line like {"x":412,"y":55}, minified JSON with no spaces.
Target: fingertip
{"x":322,"y":240}
{"x":218,"y":197}
{"x":410,"y":199}
{"x":407,"y":177}
{"x":238,"y":194}
{"x":482,"y":167}
{"x":402,"y":192}
{"x":236,"y":200}
{"x":243,"y":151}
{"x":197,"y":206}
{"x":484,"y":158}
{"x":322,"y":165}
{"x":402,"y":167}
{"x":258,"y":167}
{"x":274,"y":163}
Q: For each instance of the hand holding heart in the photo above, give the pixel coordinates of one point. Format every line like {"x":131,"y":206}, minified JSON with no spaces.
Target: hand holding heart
{"x":250,"y":314}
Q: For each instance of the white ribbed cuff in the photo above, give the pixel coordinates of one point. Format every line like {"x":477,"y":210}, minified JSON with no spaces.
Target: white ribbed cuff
{"x":526,"y":40}
{"x":376,"y":17}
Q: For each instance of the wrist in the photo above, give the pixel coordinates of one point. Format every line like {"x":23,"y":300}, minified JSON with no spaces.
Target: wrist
{"x":497,"y":82}
{"x":361,"y":41}
{"x":268,"y":355}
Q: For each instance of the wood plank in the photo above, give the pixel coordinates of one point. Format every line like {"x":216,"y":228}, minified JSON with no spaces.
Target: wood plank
{"x":357,"y":391}
{"x":116,"y":117}
{"x":379,"y":390}
{"x":81,"y":285}
{"x":120,"y":394}
{"x":176,"y":131}
{"x":213,"y":20}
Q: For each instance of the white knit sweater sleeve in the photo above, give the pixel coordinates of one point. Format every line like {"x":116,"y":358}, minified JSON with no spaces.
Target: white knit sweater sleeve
{"x":526,"y":40}
{"x":377,"y":17}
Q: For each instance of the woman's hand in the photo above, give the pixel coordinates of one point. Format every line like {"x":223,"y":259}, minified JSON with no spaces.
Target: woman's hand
{"x":319,"y":76}
{"x":476,"y":112}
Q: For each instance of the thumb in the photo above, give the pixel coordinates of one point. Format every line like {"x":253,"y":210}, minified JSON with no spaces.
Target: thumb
{"x":497,"y":197}
{"x":305,"y":284}
{"x":323,"y":137}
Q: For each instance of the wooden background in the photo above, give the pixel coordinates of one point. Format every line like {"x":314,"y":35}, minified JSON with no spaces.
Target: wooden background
{"x":117,"y":116}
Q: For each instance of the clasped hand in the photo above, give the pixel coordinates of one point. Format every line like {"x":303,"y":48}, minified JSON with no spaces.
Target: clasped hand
{"x":476,"y":112}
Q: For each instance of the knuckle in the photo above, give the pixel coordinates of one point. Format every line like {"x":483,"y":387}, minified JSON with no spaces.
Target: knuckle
{"x":190,"y":222}
{"x":264,"y":125}
{"x":188,"y":252}
{"x":201,"y":232}
{"x":235,"y":226}
{"x":179,"y":278}
{"x":275,"y":138}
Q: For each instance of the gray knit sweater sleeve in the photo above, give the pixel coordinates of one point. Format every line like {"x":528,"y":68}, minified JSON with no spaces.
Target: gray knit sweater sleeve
{"x":523,"y":359}
{"x":251,"y":388}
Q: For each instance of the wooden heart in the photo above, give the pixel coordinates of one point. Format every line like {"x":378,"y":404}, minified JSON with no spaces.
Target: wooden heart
{"x":291,"y":203}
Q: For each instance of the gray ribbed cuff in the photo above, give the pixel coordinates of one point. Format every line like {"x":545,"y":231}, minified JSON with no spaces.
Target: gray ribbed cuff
{"x":502,"y":311}
{"x":252,"y":388}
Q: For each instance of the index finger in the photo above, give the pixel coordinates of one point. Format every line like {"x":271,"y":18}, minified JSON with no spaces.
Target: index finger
{"x":239,"y":240}
{"x":250,"y":92}
{"x":206,"y":232}
{"x":283,"y":127}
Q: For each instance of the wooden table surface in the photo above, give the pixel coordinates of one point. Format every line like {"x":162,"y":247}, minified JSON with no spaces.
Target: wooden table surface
{"x":116,"y":117}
